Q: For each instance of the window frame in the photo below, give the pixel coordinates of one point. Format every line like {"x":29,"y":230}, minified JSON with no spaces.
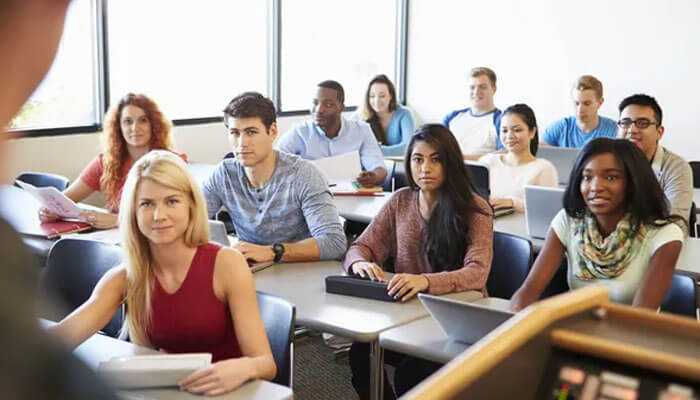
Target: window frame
{"x":102,"y":90}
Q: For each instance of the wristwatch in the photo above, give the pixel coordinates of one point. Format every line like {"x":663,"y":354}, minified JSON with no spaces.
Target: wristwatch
{"x":278,"y":249}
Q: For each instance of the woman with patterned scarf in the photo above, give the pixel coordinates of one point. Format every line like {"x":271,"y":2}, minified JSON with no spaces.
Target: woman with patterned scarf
{"x":615,"y":229}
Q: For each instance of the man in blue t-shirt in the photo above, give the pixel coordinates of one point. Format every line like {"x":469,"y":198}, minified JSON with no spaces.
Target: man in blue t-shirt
{"x":577,"y":130}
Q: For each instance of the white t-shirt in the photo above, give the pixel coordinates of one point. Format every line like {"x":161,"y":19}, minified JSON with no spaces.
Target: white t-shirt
{"x":621,"y":289}
{"x":509,"y":182}
{"x":475,"y":134}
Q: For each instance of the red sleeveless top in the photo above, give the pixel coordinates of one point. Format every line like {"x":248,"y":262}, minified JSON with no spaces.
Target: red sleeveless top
{"x":193,"y":319}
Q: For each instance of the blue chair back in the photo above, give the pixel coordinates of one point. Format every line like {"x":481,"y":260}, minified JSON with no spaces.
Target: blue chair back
{"x":72,"y":271}
{"x":512,"y":258}
{"x":278,"y":316}
{"x":559,"y":284}
{"x":681,"y":298}
{"x":44,"y":179}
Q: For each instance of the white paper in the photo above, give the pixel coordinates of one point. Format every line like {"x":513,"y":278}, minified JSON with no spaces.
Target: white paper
{"x":53,"y":200}
{"x":152,"y":371}
{"x":341,"y":169}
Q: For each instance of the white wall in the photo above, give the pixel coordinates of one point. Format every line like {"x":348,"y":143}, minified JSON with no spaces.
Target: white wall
{"x":538,"y":47}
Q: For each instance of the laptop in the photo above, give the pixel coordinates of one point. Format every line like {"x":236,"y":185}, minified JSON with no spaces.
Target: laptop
{"x":563,"y":159}
{"x":217,"y":233}
{"x":480,"y":178}
{"x":463,"y":322}
{"x":542,"y":204}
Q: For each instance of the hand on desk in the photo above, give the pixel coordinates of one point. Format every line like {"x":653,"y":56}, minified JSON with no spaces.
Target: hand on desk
{"x":255,"y":252}
{"x":100,"y":219}
{"x":405,"y":286}
{"x":219,"y":378}
{"x":367,"y":178}
{"x":372,"y":270}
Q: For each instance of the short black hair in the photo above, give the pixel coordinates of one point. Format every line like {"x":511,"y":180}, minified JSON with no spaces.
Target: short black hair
{"x":331,"y":84}
{"x":250,"y":105}
{"x":643,"y":100}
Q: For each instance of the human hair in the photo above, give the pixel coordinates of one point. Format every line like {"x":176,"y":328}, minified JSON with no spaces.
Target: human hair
{"x":369,"y":115}
{"x":330,"y":84}
{"x":251,"y":105}
{"x":643,"y":100}
{"x":478,"y":71}
{"x":644,"y":198}
{"x":589,"y":82}
{"x":167,"y":169}
{"x":447,"y":237}
{"x":528,"y":116}
{"x":115,"y":153}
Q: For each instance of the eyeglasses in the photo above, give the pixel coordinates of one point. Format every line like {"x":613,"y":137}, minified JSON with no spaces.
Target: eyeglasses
{"x":641,"y":123}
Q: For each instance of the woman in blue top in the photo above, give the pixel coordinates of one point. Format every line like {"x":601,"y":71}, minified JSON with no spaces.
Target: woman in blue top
{"x":391,"y":123}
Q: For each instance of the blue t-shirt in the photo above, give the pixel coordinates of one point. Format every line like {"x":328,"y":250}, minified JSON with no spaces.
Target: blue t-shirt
{"x":565,"y":132}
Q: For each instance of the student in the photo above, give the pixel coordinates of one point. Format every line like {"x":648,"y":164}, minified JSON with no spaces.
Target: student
{"x":437,"y":231}
{"x":32,"y":365}
{"x":586,"y":125}
{"x":510,"y":172}
{"x":615,"y":230}
{"x":641,"y":123}
{"x":330,"y":134}
{"x":279,"y":203}
{"x":391,"y":122}
{"x":476,"y":128}
{"x":183,"y":294}
{"x":133,"y":127}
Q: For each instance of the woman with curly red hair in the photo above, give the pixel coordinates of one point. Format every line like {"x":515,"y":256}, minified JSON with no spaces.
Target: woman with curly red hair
{"x":132,"y":128}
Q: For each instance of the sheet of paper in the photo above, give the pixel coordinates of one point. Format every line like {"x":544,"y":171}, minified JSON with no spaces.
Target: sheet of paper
{"x":341,"y":169}
{"x":53,"y":200}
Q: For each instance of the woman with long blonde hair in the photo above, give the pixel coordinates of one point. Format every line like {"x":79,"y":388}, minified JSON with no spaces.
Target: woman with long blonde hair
{"x":182,"y":293}
{"x":133,"y":127}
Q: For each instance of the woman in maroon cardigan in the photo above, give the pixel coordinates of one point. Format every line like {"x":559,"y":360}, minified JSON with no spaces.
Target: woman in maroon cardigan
{"x":438,"y":232}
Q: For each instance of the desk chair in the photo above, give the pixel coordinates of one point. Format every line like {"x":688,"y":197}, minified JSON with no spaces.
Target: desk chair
{"x":512,"y":258}
{"x":398,"y":175}
{"x":695,"y":167}
{"x":559,"y":283}
{"x":278,"y":316}
{"x":44,"y":179}
{"x":682,"y":295}
{"x":73,"y":269}
{"x":693,"y":221}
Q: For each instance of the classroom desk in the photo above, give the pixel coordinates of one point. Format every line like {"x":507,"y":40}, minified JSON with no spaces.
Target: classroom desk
{"x":21,"y":211}
{"x":425,"y":339}
{"x":102,"y":348}
{"x":359,"y":319}
{"x":363,"y":209}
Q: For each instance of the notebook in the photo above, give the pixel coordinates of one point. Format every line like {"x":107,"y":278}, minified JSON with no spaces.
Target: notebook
{"x":463,"y":322}
{"x":541,"y":206}
{"x":160,"y":370}
{"x":563,"y":159}
{"x":57,"y":228}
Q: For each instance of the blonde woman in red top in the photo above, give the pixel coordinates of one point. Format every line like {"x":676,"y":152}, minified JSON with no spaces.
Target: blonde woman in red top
{"x":182,"y":293}
{"x":133,"y":127}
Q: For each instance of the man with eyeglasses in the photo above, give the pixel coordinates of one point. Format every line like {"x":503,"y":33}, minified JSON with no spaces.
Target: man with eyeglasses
{"x":279,"y":204}
{"x":586,"y":125}
{"x":641,"y":123}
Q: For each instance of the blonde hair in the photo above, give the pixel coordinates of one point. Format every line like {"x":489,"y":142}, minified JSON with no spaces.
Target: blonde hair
{"x":478,"y":71}
{"x":589,"y":82}
{"x":167,"y":169}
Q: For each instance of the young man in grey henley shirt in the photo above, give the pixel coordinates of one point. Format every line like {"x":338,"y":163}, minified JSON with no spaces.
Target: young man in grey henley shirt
{"x":279,"y":203}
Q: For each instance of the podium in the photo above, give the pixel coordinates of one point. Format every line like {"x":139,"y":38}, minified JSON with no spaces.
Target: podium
{"x":577,"y":345}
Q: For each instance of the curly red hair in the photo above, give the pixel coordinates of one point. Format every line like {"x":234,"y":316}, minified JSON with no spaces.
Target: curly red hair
{"x":115,"y":154}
